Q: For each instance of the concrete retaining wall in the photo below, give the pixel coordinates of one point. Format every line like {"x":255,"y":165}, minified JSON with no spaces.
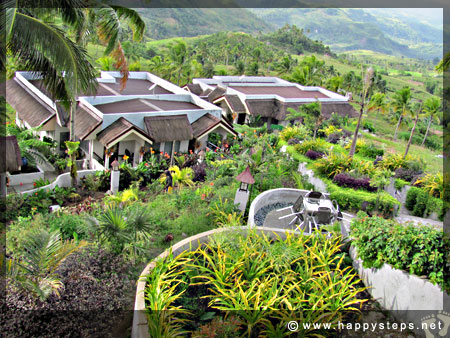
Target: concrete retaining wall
{"x":25,"y":178}
{"x":140,"y":324}
{"x":62,"y":181}
{"x":410,"y":298}
{"x":318,"y":184}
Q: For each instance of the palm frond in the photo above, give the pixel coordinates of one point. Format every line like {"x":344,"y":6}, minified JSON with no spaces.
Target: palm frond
{"x":43,"y":48}
{"x":133,"y":19}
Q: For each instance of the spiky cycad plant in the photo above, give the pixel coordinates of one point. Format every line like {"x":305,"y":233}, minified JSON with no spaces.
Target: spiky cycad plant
{"x":35,"y":272}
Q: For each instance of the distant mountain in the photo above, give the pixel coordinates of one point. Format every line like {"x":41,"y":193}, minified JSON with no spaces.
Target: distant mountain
{"x":185,"y":22}
{"x":387,"y":31}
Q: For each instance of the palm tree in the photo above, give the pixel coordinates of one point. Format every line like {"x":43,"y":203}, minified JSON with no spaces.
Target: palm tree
{"x":377,"y":103}
{"x":107,"y":22}
{"x":178,"y":56}
{"x":413,"y":129}
{"x":311,"y":114}
{"x":401,"y":104}
{"x":431,"y":108}
{"x":44,"y":252}
{"x":368,"y":81}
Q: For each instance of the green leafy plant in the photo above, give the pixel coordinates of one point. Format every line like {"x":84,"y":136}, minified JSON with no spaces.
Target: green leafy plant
{"x":380,"y":241}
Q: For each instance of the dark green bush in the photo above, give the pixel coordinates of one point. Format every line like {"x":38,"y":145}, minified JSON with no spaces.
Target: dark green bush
{"x":380,"y":241}
{"x":422,"y":204}
{"x":351,"y":199}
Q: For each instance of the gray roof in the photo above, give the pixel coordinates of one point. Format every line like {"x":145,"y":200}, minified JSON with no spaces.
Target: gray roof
{"x":207,"y":122}
{"x":85,"y":122}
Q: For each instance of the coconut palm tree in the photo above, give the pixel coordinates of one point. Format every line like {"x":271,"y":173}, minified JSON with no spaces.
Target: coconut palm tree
{"x":43,"y":253}
{"x":377,"y":103}
{"x":401,"y":104}
{"x":178,"y":56}
{"x":413,"y":129}
{"x":431,"y":108}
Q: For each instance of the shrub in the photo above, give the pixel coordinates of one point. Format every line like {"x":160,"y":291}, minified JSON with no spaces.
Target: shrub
{"x":407,"y":175}
{"x":359,"y":144}
{"x":334,"y":138}
{"x":354,"y":199}
{"x":370,"y":150}
{"x":393,"y":161}
{"x":294,"y":132}
{"x":380,"y":241}
{"x":345,"y":180}
{"x":369,"y":126}
{"x":433,"y":184}
{"x":333,"y":164}
{"x":199,"y":172}
{"x":422,"y":204}
{"x":433,"y":142}
{"x":318,"y":145}
{"x":399,"y":183}
{"x":313,"y":155}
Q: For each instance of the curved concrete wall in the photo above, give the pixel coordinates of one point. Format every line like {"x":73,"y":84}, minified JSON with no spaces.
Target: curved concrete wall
{"x":62,"y":181}
{"x":140,"y":324}
{"x":409,"y":297}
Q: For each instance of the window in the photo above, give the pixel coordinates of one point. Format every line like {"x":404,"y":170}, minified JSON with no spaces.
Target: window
{"x":177,"y":146}
{"x":63,"y":136}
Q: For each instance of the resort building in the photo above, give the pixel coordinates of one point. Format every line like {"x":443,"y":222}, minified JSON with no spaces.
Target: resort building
{"x":148,"y":112}
{"x":243,"y":97}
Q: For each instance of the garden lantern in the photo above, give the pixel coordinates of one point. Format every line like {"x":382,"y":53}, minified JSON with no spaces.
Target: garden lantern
{"x":115,"y":165}
{"x":245,"y":178}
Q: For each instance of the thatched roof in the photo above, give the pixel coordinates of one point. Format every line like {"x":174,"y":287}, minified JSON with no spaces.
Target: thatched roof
{"x":194,"y":88}
{"x":86,"y":122}
{"x":245,"y":177}
{"x":29,"y":107}
{"x":278,"y":110}
{"x":117,"y":129}
{"x":169,"y":128}
{"x":235,"y":103}
{"x":216,"y":93}
{"x":208,"y":122}
{"x":13,"y":158}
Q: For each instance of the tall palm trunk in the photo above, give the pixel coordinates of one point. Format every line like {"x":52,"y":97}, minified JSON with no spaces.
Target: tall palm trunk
{"x":355,"y":135}
{"x":412,"y":132}
{"x":73,"y":156}
{"x":426,"y":133}
{"x":398,"y":125}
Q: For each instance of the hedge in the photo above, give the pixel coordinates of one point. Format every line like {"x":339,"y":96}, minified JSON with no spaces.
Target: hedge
{"x":417,"y":250}
{"x":422,"y":204}
{"x":351,"y":199}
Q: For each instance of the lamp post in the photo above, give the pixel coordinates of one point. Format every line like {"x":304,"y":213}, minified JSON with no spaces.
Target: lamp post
{"x":243,"y":193}
{"x":115,"y":176}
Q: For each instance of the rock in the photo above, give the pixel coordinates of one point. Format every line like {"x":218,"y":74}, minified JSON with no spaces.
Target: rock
{"x":54,"y":208}
{"x":184,"y":235}
{"x":109,"y":192}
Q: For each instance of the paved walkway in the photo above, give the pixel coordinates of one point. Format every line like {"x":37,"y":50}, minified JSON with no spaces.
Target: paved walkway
{"x":402,"y":218}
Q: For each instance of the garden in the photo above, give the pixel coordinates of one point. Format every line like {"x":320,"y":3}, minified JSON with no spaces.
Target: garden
{"x":88,"y":253}
{"x":108,"y":239}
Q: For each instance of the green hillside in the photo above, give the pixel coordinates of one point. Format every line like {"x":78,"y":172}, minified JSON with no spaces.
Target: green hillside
{"x":354,"y":29}
{"x":183,"y":22}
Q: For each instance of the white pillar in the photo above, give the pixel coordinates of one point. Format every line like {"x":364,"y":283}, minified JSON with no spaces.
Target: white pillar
{"x":106,"y":161}
{"x":241,"y":198}
{"x":91,"y":152}
{"x":115,"y":177}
